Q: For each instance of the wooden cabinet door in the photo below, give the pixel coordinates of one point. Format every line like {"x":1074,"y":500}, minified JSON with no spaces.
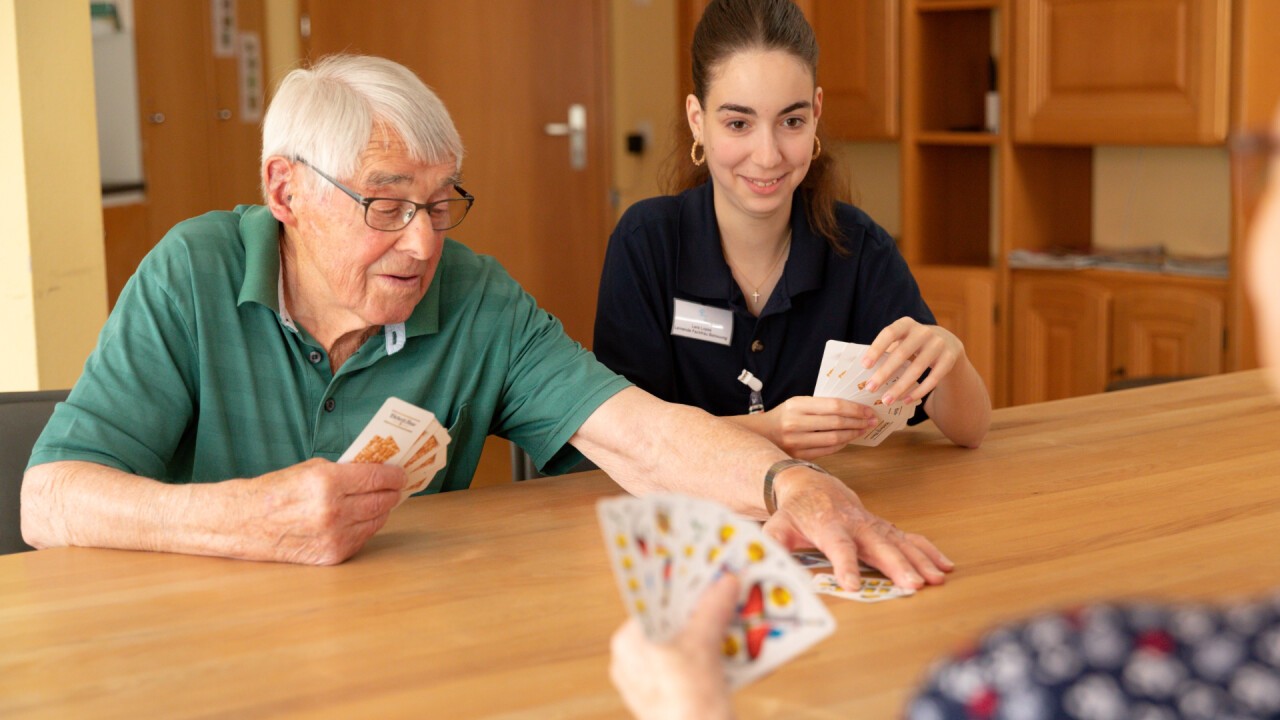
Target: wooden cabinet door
{"x":1166,"y":331}
{"x":1059,"y":340}
{"x":963,"y":300}
{"x":1122,"y":71}
{"x":857,"y":65}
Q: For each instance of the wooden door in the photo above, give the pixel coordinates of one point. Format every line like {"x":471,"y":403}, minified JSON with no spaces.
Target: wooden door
{"x":1059,"y":339}
{"x":1122,"y":71}
{"x":1166,"y":331}
{"x":963,"y":300}
{"x":506,"y":70}
{"x":237,"y":97}
{"x":175,"y":75}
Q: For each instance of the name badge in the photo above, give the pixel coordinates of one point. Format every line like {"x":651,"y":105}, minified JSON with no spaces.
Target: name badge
{"x":702,"y":322}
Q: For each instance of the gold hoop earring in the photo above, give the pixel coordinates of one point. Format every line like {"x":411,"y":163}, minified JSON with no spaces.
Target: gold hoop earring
{"x":817,"y":147}
{"x":693,"y":153}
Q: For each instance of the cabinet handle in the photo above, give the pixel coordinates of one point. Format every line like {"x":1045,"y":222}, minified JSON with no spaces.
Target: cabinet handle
{"x":224,"y":114}
{"x":156,"y":118}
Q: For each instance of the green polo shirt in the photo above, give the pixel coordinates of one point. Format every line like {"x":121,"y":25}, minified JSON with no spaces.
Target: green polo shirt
{"x":198,"y":378}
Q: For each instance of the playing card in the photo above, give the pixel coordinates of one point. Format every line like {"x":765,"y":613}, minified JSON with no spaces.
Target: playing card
{"x":827,"y":369}
{"x":849,"y":370}
{"x":404,"y":435}
{"x":846,"y":378}
{"x":779,"y":615}
{"x":425,"y":458}
{"x":666,"y":549}
{"x":389,"y":434}
{"x":890,"y":419}
{"x":629,"y":554}
{"x":873,"y":589}
{"x":816,"y":560}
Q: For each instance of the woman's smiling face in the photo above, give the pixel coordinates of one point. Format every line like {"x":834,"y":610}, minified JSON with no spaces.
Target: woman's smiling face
{"x":757,"y":130}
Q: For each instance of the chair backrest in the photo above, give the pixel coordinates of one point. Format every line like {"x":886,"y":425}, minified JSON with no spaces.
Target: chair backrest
{"x":22,"y":416}
{"x":522,"y":467}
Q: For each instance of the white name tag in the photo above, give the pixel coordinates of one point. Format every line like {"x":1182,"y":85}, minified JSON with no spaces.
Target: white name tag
{"x":702,"y":322}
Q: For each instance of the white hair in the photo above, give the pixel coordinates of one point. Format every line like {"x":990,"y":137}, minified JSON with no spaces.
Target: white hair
{"x":326,"y":115}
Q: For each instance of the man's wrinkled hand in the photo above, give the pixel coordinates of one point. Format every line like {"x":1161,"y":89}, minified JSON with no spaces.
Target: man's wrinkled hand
{"x":318,"y":512}
{"x":818,"y":510}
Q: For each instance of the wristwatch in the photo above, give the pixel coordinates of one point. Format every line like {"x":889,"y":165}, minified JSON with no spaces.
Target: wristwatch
{"x":770,"y":497}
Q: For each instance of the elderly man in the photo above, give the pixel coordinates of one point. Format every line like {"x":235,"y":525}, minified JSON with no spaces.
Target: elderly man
{"x":252,"y":345}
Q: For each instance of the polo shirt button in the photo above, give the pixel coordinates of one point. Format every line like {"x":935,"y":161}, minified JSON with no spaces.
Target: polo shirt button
{"x":756,"y":346}
{"x":315,"y":356}
{"x":329,"y":405}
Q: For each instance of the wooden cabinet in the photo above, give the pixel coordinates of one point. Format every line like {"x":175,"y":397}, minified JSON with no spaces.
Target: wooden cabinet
{"x":1122,"y":71}
{"x":1166,"y":331}
{"x":963,"y":300}
{"x":1058,"y":345}
{"x":951,"y":154}
{"x":1075,"y":333}
{"x":857,"y":67}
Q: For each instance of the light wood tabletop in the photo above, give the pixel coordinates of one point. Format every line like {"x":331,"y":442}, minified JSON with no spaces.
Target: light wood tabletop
{"x":499,"y":602}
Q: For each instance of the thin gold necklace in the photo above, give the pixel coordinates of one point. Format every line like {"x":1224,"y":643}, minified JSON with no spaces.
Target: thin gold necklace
{"x":755,"y":292}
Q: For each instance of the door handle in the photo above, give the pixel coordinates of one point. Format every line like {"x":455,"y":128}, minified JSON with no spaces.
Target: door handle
{"x":576,"y":129}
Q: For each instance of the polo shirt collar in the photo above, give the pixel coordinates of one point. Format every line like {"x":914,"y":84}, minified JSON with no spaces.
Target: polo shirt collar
{"x":264,"y":282}
{"x":701,"y":269}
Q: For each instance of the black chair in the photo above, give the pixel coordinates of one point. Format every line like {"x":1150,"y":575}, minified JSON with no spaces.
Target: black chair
{"x":1146,"y":381}
{"x":522,"y":467}
{"x":22,"y":416}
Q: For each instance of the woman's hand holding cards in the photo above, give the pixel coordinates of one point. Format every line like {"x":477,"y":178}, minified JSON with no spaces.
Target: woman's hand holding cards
{"x":958,"y":401}
{"x":810,"y":427}
{"x":817,"y":510}
{"x":921,"y":347}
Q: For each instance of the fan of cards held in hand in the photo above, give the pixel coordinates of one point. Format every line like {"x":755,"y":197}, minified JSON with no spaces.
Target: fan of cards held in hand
{"x":841,"y":375}
{"x":667,"y":549}
{"x":404,"y":435}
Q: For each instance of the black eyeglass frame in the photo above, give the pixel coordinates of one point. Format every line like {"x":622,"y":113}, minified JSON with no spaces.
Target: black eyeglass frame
{"x":417,"y":207}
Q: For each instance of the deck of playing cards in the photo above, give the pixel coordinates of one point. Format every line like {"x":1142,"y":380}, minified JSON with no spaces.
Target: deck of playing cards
{"x":667,"y":549}
{"x":841,"y":375}
{"x":404,"y":435}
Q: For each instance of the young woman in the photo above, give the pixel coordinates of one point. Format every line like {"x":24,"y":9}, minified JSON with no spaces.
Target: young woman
{"x":684,"y":677}
{"x":757,"y":262}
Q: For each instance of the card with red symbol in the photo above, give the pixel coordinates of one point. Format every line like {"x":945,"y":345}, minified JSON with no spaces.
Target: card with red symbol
{"x":404,"y":435}
{"x":667,"y":549}
{"x":841,"y":375}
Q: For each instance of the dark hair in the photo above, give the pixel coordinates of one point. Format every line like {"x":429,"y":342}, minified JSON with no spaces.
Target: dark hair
{"x":728,"y":27}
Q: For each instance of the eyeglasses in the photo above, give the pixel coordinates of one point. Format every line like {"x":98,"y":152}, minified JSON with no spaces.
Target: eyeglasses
{"x":392,"y":214}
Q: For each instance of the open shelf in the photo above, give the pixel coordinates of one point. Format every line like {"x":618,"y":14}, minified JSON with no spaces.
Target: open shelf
{"x":955,"y":55}
{"x":955,"y":218}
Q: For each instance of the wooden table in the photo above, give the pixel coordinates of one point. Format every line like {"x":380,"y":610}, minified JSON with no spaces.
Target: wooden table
{"x":498,"y":602}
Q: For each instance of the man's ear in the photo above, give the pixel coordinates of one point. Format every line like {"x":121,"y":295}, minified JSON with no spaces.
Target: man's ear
{"x":279,"y":185}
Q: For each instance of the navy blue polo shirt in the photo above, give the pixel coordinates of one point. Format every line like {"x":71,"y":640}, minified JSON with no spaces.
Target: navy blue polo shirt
{"x":669,"y":247}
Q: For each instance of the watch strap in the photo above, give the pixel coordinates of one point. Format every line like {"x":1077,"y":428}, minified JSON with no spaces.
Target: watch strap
{"x":770,"y":496}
